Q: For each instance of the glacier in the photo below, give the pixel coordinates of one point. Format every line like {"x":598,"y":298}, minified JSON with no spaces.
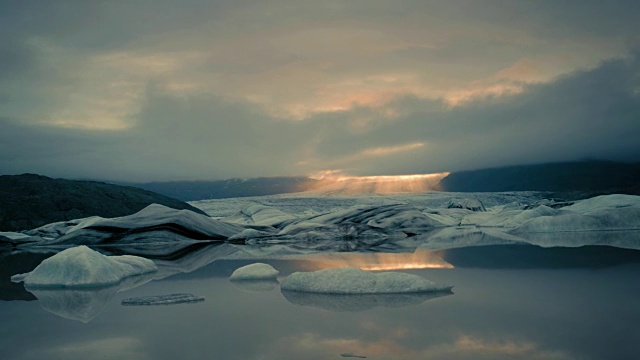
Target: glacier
{"x":365,"y":223}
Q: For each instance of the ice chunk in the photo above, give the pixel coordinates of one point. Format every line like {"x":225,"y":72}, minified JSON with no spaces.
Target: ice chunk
{"x":83,"y":267}
{"x":351,"y":355}
{"x":356,"y":281}
{"x":257,"y":271}
{"x":170,"y":299}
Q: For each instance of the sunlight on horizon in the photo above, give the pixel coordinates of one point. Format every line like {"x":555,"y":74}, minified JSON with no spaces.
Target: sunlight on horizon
{"x":334,"y":181}
{"x":421,"y":259}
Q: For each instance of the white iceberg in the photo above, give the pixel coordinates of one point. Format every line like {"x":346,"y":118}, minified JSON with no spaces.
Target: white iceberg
{"x":356,"y":281}
{"x":257,"y":271}
{"x":83,"y":267}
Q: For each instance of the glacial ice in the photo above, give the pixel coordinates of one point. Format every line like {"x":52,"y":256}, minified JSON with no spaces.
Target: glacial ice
{"x":383,"y":223}
{"x":154,"y":223}
{"x":257,"y":271}
{"x":356,"y":281}
{"x":82,"y":267}
{"x":170,"y":299}
{"x":466,"y":203}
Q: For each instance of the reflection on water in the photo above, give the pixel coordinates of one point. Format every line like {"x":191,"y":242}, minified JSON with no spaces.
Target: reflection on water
{"x":354,"y":303}
{"x":83,"y":304}
{"x":520,"y":302}
{"x":255,"y":286}
{"x":420,"y":259}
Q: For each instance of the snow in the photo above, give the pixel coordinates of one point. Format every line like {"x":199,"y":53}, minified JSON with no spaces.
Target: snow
{"x":170,"y":299}
{"x":257,"y":271}
{"x":356,"y":281}
{"x":83,"y":267}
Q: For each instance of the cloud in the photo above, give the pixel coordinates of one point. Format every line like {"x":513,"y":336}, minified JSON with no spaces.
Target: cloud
{"x":220,"y":89}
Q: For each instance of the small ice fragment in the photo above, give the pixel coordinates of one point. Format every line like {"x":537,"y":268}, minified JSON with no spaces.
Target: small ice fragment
{"x":351,"y":355}
{"x":257,"y":271}
{"x":170,"y":299}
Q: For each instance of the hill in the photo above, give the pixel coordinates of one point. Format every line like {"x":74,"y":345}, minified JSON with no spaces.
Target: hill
{"x":585,"y":177}
{"x":28,"y":201}
{"x":220,"y":189}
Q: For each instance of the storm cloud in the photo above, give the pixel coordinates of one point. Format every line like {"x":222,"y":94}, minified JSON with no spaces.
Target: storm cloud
{"x":147,"y":90}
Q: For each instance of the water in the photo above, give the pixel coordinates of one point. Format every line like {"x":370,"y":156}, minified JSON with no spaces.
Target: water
{"x":507,"y":303}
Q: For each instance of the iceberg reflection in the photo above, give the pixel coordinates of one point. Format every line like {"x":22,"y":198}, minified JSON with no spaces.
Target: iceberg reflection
{"x":356,"y":303}
{"x":83,"y":304}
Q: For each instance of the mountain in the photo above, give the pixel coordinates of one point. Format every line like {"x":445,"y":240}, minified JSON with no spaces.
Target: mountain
{"x":28,"y":201}
{"x":583,"y":177}
{"x":220,"y":189}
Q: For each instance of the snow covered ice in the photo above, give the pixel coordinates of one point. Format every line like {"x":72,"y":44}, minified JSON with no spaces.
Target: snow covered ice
{"x":82,"y":267}
{"x":366,"y":223}
{"x":257,"y":271}
{"x":356,"y":281}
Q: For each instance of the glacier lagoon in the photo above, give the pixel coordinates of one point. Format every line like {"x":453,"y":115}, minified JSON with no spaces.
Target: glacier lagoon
{"x":509,"y":301}
{"x":533,"y":279}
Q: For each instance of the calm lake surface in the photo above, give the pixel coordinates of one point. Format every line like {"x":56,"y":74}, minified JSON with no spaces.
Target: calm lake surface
{"x":508,"y":303}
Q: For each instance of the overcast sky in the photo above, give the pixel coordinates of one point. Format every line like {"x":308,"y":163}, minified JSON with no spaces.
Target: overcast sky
{"x":168,"y":90}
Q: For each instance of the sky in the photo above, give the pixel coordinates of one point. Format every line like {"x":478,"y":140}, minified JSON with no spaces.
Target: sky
{"x":197,"y":90}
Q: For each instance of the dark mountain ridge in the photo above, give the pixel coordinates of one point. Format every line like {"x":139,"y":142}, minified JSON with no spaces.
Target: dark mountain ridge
{"x":581,"y":177}
{"x":28,"y":201}
{"x":220,"y":189}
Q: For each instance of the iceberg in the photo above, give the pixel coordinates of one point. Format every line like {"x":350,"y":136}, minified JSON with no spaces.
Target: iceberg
{"x":82,"y":267}
{"x":170,"y":299}
{"x":257,"y":271}
{"x":355,"y":281}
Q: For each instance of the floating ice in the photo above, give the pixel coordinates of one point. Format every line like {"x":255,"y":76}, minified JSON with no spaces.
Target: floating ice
{"x":356,"y":281}
{"x":170,"y":299}
{"x":83,"y":267}
{"x":257,"y":271}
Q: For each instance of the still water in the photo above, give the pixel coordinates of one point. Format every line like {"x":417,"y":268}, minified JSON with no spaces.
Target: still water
{"x":530,"y":303}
